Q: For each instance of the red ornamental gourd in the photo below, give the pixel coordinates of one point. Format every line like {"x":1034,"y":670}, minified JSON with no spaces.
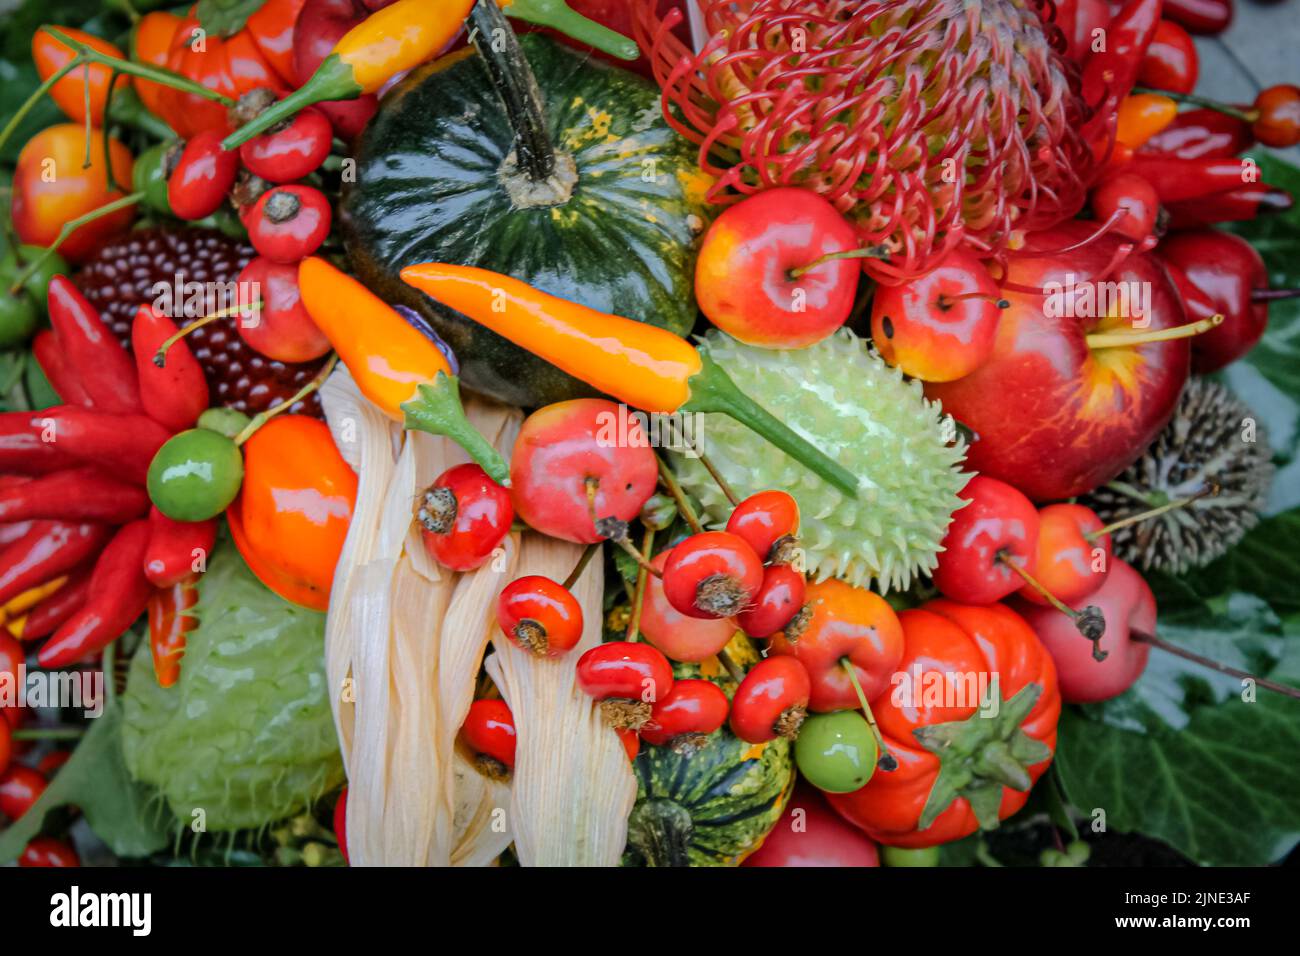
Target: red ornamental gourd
{"x":958,"y":657}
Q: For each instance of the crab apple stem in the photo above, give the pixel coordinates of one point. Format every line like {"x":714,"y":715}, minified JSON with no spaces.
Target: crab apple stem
{"x":160,"y":356}
{"x":49,"y":733}
{"x":712,"y":390}
{"x":261,"y":418}
{"x":638,"y":597}
{"x":1037,"y":585}
{"x":679,"y":496}
{"x":1273,"y":295}
{"x":1208,"y":491}
{"x":614,"y":529}
{"x":1191,"y":99}
{"x":1091,"y":622}
{"x":717,"y":477}
{"x":587,"y":554}
{"x":1106,"y":340}
{"x":732,"y":668}
{"x":558,"y":15}
{"x":947,"y":301}
{"x":887,"y":761}
{"x":1160,"y":642}
{"x":867,"y":252}
{"x":437,"y":409}
{"x":67,"y":230}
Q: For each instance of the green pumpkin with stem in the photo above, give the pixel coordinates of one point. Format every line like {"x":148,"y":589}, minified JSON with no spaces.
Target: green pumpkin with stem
{"x":537,"y":162}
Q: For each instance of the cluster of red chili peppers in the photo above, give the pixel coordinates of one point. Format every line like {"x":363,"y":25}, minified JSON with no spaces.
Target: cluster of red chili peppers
{"x":84,"y":554}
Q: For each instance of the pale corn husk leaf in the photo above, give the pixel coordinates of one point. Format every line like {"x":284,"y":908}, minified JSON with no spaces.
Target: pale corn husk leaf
{"x":572,"y":788}
{"x":482,"y":822}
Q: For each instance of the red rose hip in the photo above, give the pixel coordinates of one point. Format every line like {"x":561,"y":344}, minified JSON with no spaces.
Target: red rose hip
{"x":712,"y":574}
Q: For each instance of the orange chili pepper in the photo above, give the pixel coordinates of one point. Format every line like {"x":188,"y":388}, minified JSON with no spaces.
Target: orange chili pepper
{"x":168,"y":625}
{"x":293,"y":511}
{"x":1141,"y":116}
{"x":69,"y":93}
{"x":642,"y":365}
{"x":393,"y":364}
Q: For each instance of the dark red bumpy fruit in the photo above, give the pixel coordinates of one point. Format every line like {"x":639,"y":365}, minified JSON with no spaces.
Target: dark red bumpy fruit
{"x":125,"y":271}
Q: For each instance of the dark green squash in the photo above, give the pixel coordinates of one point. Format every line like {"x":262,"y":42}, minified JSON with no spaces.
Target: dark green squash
{"x":712,"y":806}
{"x":591,"y":198}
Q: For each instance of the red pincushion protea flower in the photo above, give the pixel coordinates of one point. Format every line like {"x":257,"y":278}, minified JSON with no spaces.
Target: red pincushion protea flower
{"x":928,"y":122}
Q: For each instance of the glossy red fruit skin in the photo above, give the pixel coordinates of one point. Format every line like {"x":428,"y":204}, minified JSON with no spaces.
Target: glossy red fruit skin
{"x":999,"y":519}
{"x":681,"y":638}
{"x":284,"y":155}
{"x":560,"y":446}
{"x":1170,"y":62}
{"x":1279,"y":116}
{"x":706,"y":555}
{"x":20,"y":787}
{"x":693,"y":706}
{"x":763,"y":519}
{"x":1051,"y":415}
{"x":202,"y":177}
{"x":624,"y":670}
{"x":1133,"y":194}
{"x":630,"y":741}
{"x":48,"y":852}
{"x":772,"y":686}
{"x":483,"y":517}
{"x":282,"y":329}
{"x":288,"y":223}
{"x":1225,"y":269}
{"x":811,"y":834}
{"x":489,"y":729}
{"x":917,"y":327}
{"x":1128,"y":604}
{"x":1069,"y":565}
{"x":321,"y":24}
{"x":779,"y":598}
{"x":341,"y":823}
{"x":742,"y":277}
{"x":6,"y":744}
{"x":538,"y":598}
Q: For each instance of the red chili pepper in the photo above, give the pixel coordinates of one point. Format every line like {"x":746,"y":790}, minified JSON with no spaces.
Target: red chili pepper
{"x":168,"y":625}
{"x":176,"y":394}
{"x":1205,"y":17}
{"x":123,"y":444}
{"x":1178,"y":180}
{"x":1235,"y":205}
{"x":29,"y":450}
{"x":47,"y":616}
{"x":1201,"y":134}
{"x":175,"y":547}
{"x":49,"y":549}
{"x":118,"y":594}
{"x":76,"y":494}
{"x":93,"y":354}
{"x":1109,"y":75}
{"x":9,"y":533}
{"x":50,"y":357}
{"x":1170,"y":62}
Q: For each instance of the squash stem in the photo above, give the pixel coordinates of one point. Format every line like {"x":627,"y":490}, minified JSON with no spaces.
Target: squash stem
{"x":558,"y":15}
{"x":437,"y":410}
{"x":514,"y":82}
{"x":712,"y":390}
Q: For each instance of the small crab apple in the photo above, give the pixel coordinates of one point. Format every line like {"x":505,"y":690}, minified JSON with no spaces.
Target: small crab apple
{"x":1073,"y":554}
{"x":627,"y":678}
{"x":1129,"y":607}
{"x":464,"y":515}
{"x":1277,"y":116}
{"x":579,"y":461}
{"x":772,"y":700}
{"x":284,"y":154}
{"x":683,"y":719}
{"x":769,"y":522}
{"x":942,"y":325}
{"x":540,"y":615}
{"x":1131,"y":200}
{"x":778,"y":600}
{"x":712,"y":574}
{"x":996,"y":530}
{"x":489,"y":731}
{"x":680,"y":637}
{"x":769,"y":272}
{"x":289,"y":223}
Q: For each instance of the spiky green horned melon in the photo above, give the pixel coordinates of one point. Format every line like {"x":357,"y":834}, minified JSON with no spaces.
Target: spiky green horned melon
{"x":246,"y":735}
{"x":843,"y":398}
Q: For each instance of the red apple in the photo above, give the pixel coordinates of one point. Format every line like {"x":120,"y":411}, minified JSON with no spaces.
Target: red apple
{"x":1128,"y":605}
{"x":320,"y":25}
{"x":1053,"y":411}
{"x":810,"y":833}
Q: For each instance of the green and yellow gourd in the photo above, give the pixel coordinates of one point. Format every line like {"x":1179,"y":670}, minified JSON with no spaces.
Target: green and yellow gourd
{"x":713,"y":806}
{"x":531,"y":160}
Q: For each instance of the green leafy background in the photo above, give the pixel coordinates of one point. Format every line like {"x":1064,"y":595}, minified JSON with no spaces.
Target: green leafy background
{"x":1181,"y":757}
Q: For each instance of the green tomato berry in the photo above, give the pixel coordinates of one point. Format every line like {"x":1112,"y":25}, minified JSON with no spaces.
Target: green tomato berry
{"x":224,"y":421}
{"x":148,"y":177}
{"x":18,"y":318}
{"x":195,"y":475}
{"x":836,"y":752}
{"x":902,"y":856}
{"x":38,"y":283}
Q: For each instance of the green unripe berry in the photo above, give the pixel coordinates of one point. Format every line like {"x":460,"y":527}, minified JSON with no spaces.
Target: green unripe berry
{"x":836,"y":752}
{"x":195,"y":475}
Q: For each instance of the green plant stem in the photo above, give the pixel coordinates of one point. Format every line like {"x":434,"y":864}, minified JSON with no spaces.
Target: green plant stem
{"x":558,"y":15}
{"x":642,"y":582}
{"x":332,"y":81}
{"x":49,"y":733}
{"x":68,"y":229}
{"x":160,"y":356}
{"x":587,"y":554}
{"x":436,"y":409}
{"x":1191,"y":99}
{"x":679,"y":496}
{"x":29,"y":104}
{"x":886,"y":761}
{"x":142,"y":70}
{"x":731,"y":667}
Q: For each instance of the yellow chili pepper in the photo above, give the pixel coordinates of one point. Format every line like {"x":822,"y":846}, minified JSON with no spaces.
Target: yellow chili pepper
{"x":645,"y":366}
{"x":1141,"y":116}
{"x":393,"y":364}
